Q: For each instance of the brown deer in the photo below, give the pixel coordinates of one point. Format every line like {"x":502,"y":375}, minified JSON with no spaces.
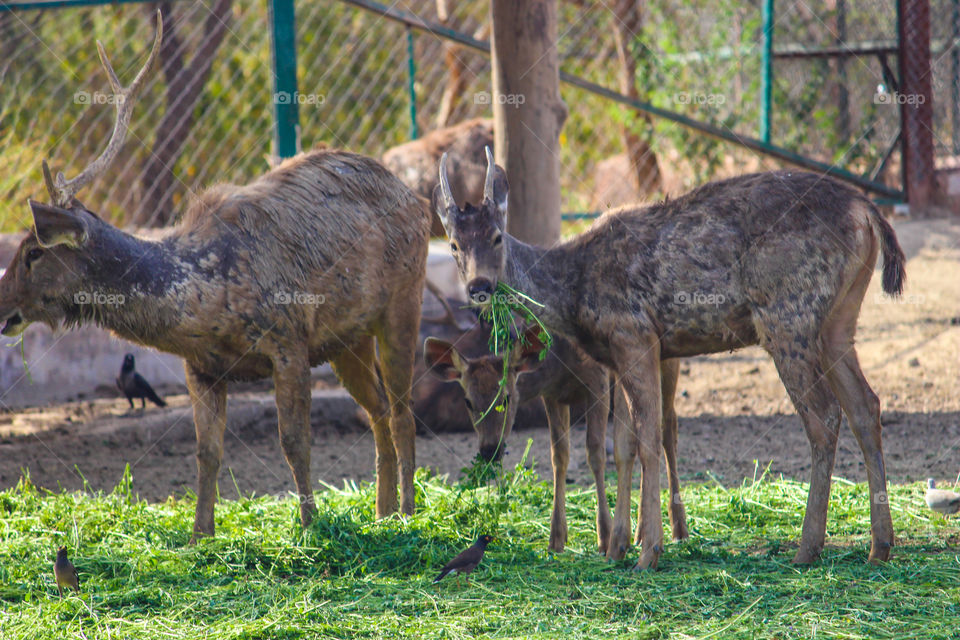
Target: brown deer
{"x":781,"y":259}
{"x":416,"y":162}
{"x":307,"y":264}
{"x":439,"y":407}
{"x":564,"y":378}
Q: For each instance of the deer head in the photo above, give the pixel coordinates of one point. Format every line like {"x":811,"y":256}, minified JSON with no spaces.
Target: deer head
{"x":46,"y":280}
{"x":476,"y":232}
{"x":480,"y":379}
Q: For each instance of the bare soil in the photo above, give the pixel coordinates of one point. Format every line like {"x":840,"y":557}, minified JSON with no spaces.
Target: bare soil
{"x":734,"y":413}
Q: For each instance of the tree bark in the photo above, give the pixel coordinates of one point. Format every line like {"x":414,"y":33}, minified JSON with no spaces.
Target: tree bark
{"x":528,"y":115}
{"x":456,"y":80}
{"x":184,"y":87}
{"x":629,"y":26}
{"x":916,"y":111}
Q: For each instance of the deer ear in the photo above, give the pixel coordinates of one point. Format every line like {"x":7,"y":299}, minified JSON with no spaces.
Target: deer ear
{"x":500,"y":189}
{"x":442,"y":359}
{"x":495,"y":187}
{"x":55,"y":226}
{"x":527,"y":357}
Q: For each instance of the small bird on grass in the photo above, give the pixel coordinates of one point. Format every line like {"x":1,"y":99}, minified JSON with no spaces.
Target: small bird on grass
{"x":133,"y":385}
{"x":465,"y":561}
{"x":941,"y":500}
{"x":65,"y":573}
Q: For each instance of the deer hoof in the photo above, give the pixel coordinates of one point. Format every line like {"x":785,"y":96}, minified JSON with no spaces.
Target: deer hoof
{"x":879,"y":553}
{"x":805,"y":556}
{"x":648,"y":559}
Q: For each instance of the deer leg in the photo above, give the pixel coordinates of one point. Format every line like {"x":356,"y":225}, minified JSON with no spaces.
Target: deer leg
{"x":356,"y":368}
{"x":624,"y":454}
{"x":597,"y":454}
{"x":862,"y":407}
{"x":820,"y":412}
{"x":208,"y":396}
{"x":669,"y":372}
{"x":642,"y":389}
{"x":398,"y":341}
{"x":558,"y":417}
{"x":291,"y":379}
{"x":640,"y":379}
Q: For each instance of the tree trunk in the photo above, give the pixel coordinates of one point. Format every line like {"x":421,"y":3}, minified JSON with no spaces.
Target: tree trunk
{"x":916,"y":110}
{"x":629,"y":26}
{"x":184,"y":86}
{"x":528,"y":114}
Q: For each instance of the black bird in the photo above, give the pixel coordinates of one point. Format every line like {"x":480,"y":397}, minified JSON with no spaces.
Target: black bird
{"x":466,"y":561}
{"x":133,"y":385}
{"x":65,"y":573}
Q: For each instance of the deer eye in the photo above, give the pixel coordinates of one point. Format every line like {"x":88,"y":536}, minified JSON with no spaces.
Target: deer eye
{"x":498,"y":240}
{"x":453,"y":247}
{"x":33,"y":255}
{"x":469,"y":404}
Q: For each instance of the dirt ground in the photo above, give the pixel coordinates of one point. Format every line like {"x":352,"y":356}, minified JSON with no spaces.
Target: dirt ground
{"x":733,"y":412}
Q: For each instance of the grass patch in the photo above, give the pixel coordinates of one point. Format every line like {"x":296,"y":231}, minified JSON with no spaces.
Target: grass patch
{"x":350,"y":576}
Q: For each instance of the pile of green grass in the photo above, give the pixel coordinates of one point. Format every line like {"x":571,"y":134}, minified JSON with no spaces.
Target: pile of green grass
{"x":350,"y":576}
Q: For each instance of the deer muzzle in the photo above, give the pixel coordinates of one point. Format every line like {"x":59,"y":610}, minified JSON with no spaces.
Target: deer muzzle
{"x":480,"y":290}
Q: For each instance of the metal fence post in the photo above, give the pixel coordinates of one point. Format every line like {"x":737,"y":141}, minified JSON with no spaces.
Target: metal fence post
{"x":412,"y":87}
{"x":285,"y":96}
{"x":767,"y":78}
{"x":915,"y":99}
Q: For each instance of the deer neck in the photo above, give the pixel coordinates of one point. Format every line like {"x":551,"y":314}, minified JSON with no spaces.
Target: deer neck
{"x":129,"y":287}
{"x":544,"y":275}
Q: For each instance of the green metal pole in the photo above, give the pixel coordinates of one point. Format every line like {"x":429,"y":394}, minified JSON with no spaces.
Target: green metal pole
{"x":412,"y":72}
{"x":285,"y":96}
{"x":767,"y":78}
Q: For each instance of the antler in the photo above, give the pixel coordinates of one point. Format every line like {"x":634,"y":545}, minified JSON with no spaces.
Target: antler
{"x":445,"y":191}
{"x":62,"y":190}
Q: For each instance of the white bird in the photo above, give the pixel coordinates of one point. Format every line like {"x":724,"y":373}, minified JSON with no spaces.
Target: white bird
{"x":941,"y":500}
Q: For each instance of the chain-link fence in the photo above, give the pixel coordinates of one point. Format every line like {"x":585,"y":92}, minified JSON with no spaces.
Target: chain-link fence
{"x":945,"y":74}
{"x":207,"y":112}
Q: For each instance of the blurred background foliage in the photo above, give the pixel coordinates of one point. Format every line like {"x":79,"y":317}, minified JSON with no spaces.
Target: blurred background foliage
{"x":701,"y":58}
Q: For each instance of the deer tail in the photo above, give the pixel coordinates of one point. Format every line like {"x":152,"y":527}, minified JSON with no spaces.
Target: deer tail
{"x":894,"y":273}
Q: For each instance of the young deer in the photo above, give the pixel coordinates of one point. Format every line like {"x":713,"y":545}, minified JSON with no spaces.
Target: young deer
{"x":780,"y":259}
{"x":309,"y":263}
{"x":564,"y":378}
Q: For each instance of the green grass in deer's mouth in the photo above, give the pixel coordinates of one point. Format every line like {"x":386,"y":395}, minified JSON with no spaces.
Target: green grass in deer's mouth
{"x":505,"y":334}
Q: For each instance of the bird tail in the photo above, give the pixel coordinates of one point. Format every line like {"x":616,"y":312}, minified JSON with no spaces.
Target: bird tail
{"x":440,"y":577}
{"x":157,"y":400}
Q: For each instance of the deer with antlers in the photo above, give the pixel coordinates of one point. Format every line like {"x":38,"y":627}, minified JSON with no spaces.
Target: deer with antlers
{"x":779,"y":259}
{"x":312,"y":262}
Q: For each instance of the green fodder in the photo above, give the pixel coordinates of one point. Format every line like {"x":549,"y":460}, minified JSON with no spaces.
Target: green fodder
{"x":506,"y":335}
{"x":351,"y":576}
